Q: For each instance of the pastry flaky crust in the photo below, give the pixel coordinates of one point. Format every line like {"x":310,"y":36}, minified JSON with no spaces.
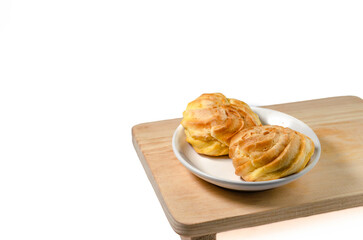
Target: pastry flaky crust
{"x":269,"y":152}
{"x":211,"y":120}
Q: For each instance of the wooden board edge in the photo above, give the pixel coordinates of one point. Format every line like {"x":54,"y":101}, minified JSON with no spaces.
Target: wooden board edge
{"x":267,"y":217}
{"x":155,"y":186}
{"x":316,"y":99}
{"x":135,"y":128}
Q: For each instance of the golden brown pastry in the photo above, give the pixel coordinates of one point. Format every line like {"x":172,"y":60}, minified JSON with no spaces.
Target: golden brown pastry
{"x":269,"y":152}
{"x":211,"y":120}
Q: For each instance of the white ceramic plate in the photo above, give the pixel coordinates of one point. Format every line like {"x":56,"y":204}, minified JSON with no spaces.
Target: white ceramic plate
{"x":220,"y":170}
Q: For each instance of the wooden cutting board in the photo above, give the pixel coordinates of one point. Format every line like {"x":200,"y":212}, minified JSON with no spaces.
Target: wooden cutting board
{"x":197,"y":208}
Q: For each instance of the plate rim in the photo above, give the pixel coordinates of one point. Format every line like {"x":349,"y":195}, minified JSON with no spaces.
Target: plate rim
{"x":278,"y":182}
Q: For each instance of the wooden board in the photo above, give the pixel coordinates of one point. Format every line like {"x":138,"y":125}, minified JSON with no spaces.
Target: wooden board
{"x":195,"y":207}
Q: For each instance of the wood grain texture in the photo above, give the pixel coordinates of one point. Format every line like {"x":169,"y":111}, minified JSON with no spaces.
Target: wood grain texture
{"x":196,"y":208}
{"x":206,"y":237}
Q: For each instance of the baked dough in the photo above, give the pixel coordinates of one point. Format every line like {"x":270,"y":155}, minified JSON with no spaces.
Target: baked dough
{"x":211,"y":120}
{"x":269,"y":152}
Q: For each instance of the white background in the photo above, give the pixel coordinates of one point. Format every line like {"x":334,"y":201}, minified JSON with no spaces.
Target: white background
{"x":75,"y":76}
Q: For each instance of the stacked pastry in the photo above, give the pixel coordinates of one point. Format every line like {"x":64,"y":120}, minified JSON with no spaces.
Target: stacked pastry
{"x":215,"y":125}
{"x":211,"y":120}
